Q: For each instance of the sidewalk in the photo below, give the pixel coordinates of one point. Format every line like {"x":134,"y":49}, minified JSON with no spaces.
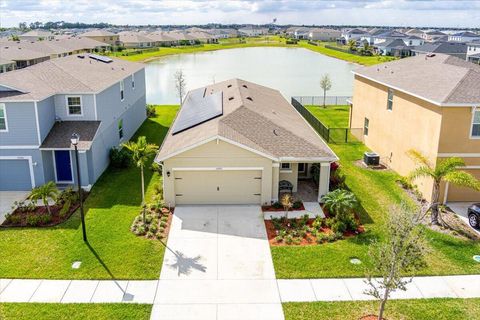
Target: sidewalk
{"x":298,"y":290}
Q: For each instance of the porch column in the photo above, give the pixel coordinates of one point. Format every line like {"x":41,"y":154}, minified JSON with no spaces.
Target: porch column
{"x":324,"y":180}
{"x":275,"y":180}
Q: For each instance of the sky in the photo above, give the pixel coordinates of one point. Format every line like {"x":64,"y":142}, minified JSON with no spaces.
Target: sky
{"x":459,"y":13}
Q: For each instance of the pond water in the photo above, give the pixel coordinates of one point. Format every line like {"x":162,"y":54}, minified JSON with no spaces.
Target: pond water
{"x":292,"y":71}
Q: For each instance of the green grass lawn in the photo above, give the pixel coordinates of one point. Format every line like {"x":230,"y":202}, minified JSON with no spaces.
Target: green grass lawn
{"x":113,"y":251}
{"x":74,"y":311}
{"x":377,"y":191}
{"x":269,"y":41}
{"x":331,"y":116}
{"x":424,"y":309}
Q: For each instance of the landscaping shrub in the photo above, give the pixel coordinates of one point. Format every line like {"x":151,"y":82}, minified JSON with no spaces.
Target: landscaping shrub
{"x":119,"y":158}
{"x":297,"y":204}
{"x":339,"y":226}
{"x":65,"y":208}
{"x":24,"y":206}
{"x":151,"y":111}
{"x":277,"y":205}
{"x":13,"y":219}
{"x":37,"y":219}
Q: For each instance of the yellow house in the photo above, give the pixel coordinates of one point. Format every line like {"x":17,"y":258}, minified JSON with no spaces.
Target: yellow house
{"x":236,"y":142}
{"x":103,"y":36}
{"x":430,"y":103}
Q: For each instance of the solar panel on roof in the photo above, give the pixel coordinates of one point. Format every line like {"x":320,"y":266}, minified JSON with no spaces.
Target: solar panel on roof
{"x":198,"y":108}
{"x":100,"y":58}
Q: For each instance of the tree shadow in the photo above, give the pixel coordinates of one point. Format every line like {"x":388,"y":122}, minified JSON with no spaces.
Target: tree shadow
{"x":183,"y":264}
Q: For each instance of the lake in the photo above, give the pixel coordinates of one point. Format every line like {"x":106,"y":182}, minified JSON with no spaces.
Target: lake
{"x":292,"y":71}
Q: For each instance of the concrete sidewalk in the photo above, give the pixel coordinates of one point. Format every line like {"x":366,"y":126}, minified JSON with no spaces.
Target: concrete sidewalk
{"x":145,"y":291}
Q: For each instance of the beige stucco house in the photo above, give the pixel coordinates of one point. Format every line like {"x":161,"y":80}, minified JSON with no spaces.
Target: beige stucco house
{"x":233,"y":142}
{"x":102,"y":36}
{"x":430,"y":103}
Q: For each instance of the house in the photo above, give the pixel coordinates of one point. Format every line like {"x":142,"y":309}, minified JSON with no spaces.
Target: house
{"x":354,"y":34}
{"x":324,"y":34}
{"x":102,"y":35}
{"x":429,"y":103}
{"x":301,"y":33}
{"x":252,"y":31}
{"x":6,"y":65}
{"x":434,"y":35}
{"x":393,"y":47}
{"x":101,"y":99}
{"x":233,"y":142}
{"x":456,"y":49}
{"x":36,"y":34}
{"x":136,"y":40}
{"x":22,"y":57}
{"x":465,"y":36}
{"x":473,"y":52}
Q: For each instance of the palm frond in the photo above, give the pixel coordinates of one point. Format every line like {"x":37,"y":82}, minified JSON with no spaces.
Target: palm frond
{"x":418,"y":157}
{"x":463,"y":179}
{"x":448,"y":165}
{"x":422,"y":172}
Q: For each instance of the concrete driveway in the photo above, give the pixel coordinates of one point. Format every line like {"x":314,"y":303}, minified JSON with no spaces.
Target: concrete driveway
{"x":217,"y":265}
{"x":460,"y":208}
{"x":7,"y":198}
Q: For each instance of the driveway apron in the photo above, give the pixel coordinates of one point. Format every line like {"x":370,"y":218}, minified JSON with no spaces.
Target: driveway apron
{"x":217,"y":265}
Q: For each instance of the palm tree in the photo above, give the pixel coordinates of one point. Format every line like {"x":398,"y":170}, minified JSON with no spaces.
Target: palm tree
{"x":325,"y":84}
{"x":48,"y":190}
{"x":340,"y":202}
{"x":445,"y":171}
{"x":287,"y":203}
{"x":141,"y":152}
{"x":352,"y":45}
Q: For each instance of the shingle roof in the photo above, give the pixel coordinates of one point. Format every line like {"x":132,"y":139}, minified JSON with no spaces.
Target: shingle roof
{"x":98,"y":33}
{"x":59,"y":136}
{"x":441,"y":79}
{"x":442,"y":47}
{"x":70,"y":74}
{"x":254,"y":116}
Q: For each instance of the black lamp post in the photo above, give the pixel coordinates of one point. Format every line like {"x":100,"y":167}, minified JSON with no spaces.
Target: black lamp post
{"x":74,"y":140}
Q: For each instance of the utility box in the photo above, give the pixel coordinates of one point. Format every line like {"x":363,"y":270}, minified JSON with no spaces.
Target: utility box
{"x":371,"y":159}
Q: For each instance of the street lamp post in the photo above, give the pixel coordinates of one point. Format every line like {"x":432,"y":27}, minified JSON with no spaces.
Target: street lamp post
{"x":74,"y":140}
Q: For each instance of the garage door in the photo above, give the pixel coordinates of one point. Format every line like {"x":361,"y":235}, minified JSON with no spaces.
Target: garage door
{"x":464,"y":194}
{"x":218,"y":187}
{"x":15,"y":175}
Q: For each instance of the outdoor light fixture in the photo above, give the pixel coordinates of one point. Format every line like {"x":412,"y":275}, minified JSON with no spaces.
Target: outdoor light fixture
{"x":74,"y":139}
{"x":168,"y":173}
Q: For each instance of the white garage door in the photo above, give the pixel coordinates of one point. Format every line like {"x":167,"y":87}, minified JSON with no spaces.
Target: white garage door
{"x":218,"y":187}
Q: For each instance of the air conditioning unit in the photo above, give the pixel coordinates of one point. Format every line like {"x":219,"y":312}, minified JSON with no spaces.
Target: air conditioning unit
{"x":371,"y":159}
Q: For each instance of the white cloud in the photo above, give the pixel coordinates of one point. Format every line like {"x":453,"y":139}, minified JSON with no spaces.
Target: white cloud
{"x":374,"y":12}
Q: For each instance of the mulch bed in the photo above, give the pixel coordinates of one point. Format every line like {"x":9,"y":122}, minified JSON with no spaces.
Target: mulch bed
{"x":370,"y":317}
{"x":309,"y":239}
{"x":56,"y":218}
{"x":273,"y":209}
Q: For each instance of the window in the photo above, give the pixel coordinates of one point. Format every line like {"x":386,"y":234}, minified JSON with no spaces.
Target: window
{"x":390,"y":100}
{"x":133,"y":81}
{"x":285,"y":166}
{"x":74,"y":106}
{"x":120,"y":129}
{"x":475,"y":123}
{"x":3,"y":118}
{"x":365,"y":126}
{"x":122,"y":89}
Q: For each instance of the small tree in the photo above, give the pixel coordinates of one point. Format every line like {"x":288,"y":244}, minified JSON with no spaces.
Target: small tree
{"x":401,"y":253}
{"x":352,"y":45}
{"x":48,"y":190}
{"x":141,"y":152}
{"x":180,"y":84}
{"x":445,"y":171}
{"x":340,"y":202}
{"x":287,"y":203}
{"x":325,"y":84}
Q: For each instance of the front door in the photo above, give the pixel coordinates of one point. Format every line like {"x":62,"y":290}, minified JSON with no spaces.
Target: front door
{"x":63,"y":166}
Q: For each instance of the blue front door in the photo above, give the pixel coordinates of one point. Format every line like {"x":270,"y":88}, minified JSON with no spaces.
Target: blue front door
{"x":63,"y":165}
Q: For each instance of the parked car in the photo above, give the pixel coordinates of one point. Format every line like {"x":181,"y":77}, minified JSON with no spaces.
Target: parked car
{"x":474,"y":215}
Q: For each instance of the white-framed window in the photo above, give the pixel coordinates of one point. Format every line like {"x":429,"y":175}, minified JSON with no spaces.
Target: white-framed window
{"x":120,"y":129}
{"x":285,"y":166}
{"x":3,"y":118}
{"x":133,"y":81}
{"x":390,"y":100}
{"x":74,"y":105}
{"x":122,"y":90}
{"x":366,"y":123}
{"x":475,"y":132}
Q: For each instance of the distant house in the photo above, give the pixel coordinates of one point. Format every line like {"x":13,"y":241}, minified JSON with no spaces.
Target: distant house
{"x":427,"y":103}
{"x":414,"y":32}
{"x":473,"y":52}
{"x":37,"y":34}
{"x":393,"y":47}
{"x":301,"y":33}
{"x":101,"y":99}
{"x":252,"y":31}
{"x":465,"y":36}
{"x":324,"y":34}
{"x":7,"y":65}
{"x":136,"y":40}
{"x":354,"y":34}
{"x":102,"y":35}
{"x":456,"y":49}
{"x":434,"y":35}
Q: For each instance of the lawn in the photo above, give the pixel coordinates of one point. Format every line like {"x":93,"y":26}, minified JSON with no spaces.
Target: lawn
{"x":425,"y":309}
{"x":332,"y":116}
{"x":268,"y":41}
{"x":113,"y":203}
{"x":377,"y":191}
{"x":74,"y":311}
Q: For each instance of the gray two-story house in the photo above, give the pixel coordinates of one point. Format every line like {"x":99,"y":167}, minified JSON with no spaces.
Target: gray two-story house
{"x":101,"y":99}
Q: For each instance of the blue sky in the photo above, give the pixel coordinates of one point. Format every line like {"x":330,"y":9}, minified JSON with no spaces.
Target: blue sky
{"x":371,"y":12}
